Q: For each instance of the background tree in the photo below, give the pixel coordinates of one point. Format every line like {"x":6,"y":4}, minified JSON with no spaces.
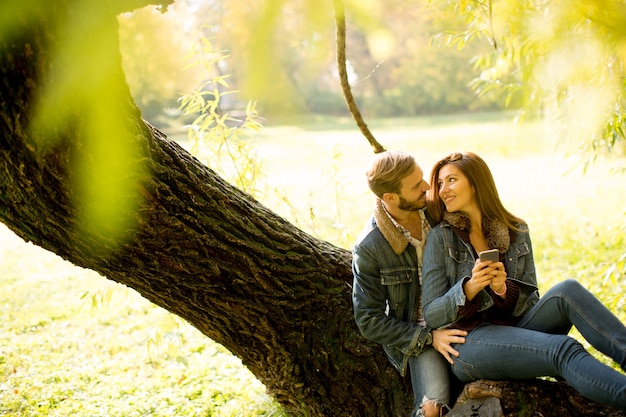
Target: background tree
{"x":565,"y":62}
{"x":155,"y":52}
{"x":395,"y":69}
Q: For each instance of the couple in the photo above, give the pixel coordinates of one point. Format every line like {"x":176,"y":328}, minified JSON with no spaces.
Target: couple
{"x":435,"y":304}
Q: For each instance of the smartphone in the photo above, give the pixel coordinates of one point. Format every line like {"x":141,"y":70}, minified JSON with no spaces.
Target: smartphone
{"x":489,"y":255}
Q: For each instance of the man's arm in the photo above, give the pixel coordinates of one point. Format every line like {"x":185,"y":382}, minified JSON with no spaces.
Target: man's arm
{"x":369,"y":299}
{"x":443,"y":340}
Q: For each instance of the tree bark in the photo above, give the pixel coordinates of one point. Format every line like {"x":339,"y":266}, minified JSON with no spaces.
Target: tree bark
{"x":274,"y":296}
{"x":531,"y":398}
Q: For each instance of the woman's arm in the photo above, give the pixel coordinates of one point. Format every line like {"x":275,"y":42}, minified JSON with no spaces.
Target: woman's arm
{"x":441,"y":299}
{"x":521,"y":269}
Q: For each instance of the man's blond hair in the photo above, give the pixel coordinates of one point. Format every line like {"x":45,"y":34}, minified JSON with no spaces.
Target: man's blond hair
{"x":387,"y":171}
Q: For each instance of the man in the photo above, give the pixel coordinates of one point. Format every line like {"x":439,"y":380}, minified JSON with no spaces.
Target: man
{"x":387,"y":287}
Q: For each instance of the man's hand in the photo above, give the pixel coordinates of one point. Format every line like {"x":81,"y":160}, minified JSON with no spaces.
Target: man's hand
{"x":442,"y":339}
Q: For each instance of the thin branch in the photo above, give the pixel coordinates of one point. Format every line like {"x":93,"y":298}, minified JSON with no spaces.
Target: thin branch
{"x":340,"y":23}
{"x":493,"y":34}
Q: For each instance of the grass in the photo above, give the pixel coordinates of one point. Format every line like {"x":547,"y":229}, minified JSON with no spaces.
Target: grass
{"x":73,"y":343}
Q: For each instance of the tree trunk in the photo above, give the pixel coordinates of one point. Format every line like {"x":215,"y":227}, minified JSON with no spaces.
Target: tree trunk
{"x":274,"y":296}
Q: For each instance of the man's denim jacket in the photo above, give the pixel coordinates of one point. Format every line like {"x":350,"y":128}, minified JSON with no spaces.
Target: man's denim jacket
{"x":448,"y":263}
{"x":386,"y":290}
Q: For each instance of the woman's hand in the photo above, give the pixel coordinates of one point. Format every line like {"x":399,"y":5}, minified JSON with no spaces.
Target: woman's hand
{"x":498,"y":280}
{"x":482,"y":276}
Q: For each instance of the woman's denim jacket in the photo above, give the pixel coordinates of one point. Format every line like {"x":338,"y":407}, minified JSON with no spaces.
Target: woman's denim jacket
{"x":448,"y":263}
{"x":386,"y":293}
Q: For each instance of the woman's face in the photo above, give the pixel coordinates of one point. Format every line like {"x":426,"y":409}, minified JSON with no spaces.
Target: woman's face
{"x":455,"y":190}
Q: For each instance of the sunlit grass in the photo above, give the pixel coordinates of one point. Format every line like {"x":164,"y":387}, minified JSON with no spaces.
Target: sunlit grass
{"x":73,"y":343}
{"x":65,"y":350}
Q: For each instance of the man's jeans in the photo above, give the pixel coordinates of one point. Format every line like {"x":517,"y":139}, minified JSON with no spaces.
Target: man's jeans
{"x":539,"y":346}
{"x":430,"y":378}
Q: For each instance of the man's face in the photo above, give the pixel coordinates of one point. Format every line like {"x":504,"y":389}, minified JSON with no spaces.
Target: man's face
{"x":413,"y":191}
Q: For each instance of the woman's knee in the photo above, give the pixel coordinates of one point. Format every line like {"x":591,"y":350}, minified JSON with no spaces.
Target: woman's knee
{"x":568,"y":286}
{"x":569,"y":291}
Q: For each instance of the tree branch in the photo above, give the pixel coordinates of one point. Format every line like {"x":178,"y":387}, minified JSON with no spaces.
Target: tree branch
{"x":340,"y":22}
{"x":122,"y":6}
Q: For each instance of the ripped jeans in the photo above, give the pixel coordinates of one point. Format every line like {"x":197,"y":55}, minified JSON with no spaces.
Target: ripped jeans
{"x":539,"y":346}
{"x":430,"y":379}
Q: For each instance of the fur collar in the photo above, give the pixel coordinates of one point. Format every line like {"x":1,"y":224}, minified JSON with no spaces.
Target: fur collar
{"x":496,"y":233}
{"x":396,"y":239}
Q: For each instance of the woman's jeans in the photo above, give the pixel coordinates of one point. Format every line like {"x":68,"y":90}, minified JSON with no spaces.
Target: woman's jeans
{"x":539,"y":346}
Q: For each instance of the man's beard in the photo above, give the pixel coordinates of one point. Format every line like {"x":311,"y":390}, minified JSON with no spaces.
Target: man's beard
{"x":411,"y":205}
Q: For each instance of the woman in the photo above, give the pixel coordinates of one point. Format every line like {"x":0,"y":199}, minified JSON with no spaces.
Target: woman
{"x":513,"y":334}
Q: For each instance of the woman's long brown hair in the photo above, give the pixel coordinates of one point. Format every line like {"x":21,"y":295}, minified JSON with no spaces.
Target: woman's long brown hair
{"x":480,"y":177}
